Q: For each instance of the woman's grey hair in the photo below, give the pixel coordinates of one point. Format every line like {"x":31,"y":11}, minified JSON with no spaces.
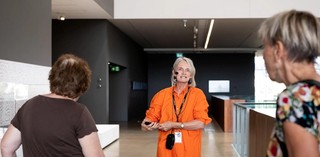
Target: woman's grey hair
{"x":299,"y":31}
{"x":192,"y":70}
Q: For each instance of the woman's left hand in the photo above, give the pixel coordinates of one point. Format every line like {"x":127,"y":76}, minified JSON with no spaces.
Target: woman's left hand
{"x":166,"y":126}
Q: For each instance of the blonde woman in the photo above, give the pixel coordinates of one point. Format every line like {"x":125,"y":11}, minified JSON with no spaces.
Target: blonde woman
{"x":291,"y":45}
{"x":179,"y":113}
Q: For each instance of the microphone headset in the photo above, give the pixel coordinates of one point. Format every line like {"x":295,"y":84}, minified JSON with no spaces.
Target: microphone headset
{"x":175,"y":75}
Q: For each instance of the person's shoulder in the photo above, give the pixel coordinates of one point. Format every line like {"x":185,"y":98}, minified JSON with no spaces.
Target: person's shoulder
{"x":77,"y":105}
{"x":300,"y":91}
{"x":164,"y":90}
{"x":29,"y":103}
{"x":289,"y":90}
{"x":299,"y":86}
{"x":196,"y":90}
{"x":65,"y":102}
{"x":36,"y":98}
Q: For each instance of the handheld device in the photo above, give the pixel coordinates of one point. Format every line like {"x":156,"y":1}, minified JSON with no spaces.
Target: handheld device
{"x":147,"y":123}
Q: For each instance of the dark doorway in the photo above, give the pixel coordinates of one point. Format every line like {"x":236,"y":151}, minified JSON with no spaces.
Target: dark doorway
{"x":118,"y":95}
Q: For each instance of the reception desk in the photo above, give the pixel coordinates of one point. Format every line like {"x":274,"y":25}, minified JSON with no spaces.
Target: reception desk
{"x":222,"y":110}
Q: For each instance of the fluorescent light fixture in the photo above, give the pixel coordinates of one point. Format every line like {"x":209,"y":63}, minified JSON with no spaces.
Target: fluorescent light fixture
{"x":209,"y":34}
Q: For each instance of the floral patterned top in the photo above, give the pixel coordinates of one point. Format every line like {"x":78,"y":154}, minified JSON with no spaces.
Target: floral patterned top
{"x":298,"y":103}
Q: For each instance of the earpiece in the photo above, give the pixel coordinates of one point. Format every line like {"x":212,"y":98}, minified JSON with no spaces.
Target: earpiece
{"x":175,"y":78}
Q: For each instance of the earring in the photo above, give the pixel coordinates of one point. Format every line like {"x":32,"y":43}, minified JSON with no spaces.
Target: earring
{"x":190,"y":81}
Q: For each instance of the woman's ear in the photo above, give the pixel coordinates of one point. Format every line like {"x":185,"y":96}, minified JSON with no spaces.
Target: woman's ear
{"x":279,"y":50}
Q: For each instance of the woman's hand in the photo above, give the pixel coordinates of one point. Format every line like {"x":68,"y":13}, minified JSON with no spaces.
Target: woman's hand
{"x":166,"y":126}
{"x":148,"y":125}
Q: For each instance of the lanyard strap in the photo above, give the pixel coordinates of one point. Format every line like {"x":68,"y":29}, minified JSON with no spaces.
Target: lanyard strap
{"x":181,"y":106}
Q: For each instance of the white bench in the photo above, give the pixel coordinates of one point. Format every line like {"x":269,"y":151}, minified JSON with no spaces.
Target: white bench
{"x":108,"y":133}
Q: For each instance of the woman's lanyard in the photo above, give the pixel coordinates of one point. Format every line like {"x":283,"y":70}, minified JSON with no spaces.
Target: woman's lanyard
{"x":181,"y":106}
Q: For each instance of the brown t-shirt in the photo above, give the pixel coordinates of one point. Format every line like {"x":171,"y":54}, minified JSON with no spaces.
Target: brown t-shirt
{"x":51,"y":127}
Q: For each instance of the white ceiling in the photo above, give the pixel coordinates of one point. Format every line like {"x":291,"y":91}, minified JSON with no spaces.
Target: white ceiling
{"x":170,"y":35}
{"x":77,"y":9}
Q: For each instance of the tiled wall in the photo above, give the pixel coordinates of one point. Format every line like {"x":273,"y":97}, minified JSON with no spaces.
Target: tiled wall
{"x":18,"y":83}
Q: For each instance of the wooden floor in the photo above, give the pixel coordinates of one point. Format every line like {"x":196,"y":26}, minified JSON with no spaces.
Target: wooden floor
{"x":136,"y":143}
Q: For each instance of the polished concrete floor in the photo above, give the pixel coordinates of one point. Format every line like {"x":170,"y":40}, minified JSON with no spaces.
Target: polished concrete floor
{"x":136,"y":143}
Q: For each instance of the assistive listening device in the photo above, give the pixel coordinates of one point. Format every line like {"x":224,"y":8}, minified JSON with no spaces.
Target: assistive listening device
{"x":170,"y":141}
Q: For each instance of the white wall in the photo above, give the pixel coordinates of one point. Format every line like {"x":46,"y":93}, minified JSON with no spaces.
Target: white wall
{"x":167,"y":9}
{"x":19,"y":82}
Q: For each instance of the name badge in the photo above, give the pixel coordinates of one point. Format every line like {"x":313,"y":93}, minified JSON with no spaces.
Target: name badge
{"x":178,"y":137}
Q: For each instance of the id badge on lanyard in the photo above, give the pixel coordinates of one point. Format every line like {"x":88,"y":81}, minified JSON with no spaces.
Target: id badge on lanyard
{"x":178,"y":137}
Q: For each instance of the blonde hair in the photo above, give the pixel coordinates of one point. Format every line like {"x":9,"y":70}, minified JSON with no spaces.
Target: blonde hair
{"x":192,"y":70}
{"x":299,"y":31}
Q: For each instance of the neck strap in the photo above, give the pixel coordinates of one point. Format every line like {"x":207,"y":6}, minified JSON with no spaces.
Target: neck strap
{"x":182,"y":103}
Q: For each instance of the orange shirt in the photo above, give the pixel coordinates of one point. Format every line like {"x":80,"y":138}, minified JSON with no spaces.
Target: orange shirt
{"x":194,"y":108}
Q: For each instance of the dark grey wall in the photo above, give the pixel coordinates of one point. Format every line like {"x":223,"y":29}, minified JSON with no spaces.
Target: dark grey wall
{"x":99,"y":42}
{"x":87,"y":39}
{"x":25,"y":31}
{"x":125,"y":52}
{"x":238,"y":68}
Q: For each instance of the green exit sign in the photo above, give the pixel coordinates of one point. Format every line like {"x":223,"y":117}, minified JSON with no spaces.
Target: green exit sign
{"x":115,"y":68}
{"x":179,"y":55}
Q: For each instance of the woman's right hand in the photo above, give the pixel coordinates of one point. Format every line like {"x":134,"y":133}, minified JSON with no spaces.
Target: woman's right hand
{"x":148,"y":125}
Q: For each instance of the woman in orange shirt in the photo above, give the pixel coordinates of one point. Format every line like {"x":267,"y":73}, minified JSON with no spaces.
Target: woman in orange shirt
{"x":179,"y":113}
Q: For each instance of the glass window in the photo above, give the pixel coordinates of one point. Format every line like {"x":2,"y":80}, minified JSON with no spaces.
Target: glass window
{"x":265,"y":89}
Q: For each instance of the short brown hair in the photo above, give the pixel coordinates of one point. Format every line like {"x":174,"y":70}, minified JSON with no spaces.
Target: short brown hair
{"x":70,"y":76}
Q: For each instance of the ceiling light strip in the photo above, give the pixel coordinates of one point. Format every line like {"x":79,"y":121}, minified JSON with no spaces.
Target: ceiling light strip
{"x":209,"y":34}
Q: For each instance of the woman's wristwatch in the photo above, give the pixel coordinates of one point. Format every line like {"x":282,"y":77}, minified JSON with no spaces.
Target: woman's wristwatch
{"x":182,"y":126}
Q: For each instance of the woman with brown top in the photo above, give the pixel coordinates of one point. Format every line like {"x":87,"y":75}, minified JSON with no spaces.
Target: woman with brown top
{"x":56,"y":124}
